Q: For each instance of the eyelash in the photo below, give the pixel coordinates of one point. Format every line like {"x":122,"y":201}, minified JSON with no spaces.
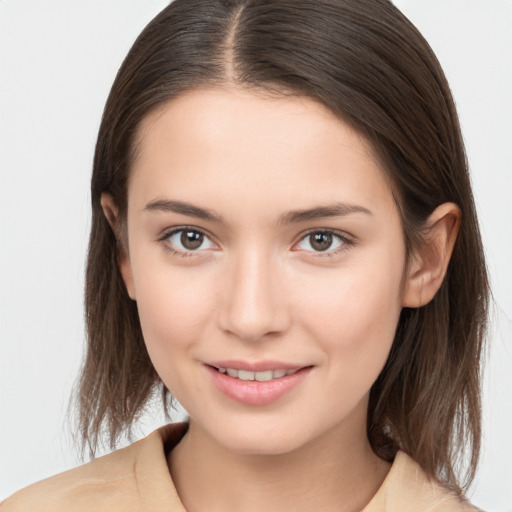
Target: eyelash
{"x":184,"y":254}
{"x":346,"y":241}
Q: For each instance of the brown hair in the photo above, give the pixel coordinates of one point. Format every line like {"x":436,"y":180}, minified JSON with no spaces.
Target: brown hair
{"x":370,"y":66}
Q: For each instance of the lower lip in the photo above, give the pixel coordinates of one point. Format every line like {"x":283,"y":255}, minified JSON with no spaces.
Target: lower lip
{"x":253,"y":392}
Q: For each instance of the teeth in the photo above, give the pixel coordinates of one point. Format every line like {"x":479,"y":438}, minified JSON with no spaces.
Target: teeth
{"x":245,"y":375}
{"x":259,"y":376}
{"x":264,"y":376}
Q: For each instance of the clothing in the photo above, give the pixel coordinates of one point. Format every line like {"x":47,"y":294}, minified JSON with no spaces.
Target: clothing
{"x":136,"y":478}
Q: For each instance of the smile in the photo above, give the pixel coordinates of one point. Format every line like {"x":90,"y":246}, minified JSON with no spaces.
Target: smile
{"x":256,"y":384}
{"x":264,"y":376}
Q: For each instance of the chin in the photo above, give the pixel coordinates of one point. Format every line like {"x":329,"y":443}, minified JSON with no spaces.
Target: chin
{"x":262,"y":445}
{"x":262,"y":437}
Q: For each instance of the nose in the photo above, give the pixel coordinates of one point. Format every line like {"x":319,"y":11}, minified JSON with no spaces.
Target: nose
{"x":253,"y":305}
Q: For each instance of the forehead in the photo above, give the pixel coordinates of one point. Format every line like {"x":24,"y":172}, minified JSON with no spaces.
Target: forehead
{"x":219,"y":144}
{"x":214,"y":112}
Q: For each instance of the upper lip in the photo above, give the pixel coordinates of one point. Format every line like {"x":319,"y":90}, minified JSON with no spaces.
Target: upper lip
{"x":256,"y":366}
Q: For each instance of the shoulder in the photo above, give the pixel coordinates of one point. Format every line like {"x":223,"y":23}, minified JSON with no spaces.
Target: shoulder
{"x":408,"y":488}
{"x":114,"y":471}
{"x":135,"y":478}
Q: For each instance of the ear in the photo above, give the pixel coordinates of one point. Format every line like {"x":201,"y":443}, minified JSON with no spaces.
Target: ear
{"x":111,"y":212}
{"x":429,"y":263}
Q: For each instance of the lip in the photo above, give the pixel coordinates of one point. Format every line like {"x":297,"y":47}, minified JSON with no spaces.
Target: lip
{"x":254,"y":392}
{"x":259,"y":366}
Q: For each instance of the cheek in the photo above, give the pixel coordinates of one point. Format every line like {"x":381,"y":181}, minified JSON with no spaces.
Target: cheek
{"x":174,"y":309}
{"x":354,"y":319}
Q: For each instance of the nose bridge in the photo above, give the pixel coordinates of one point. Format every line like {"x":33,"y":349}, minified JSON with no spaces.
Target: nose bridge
{"x":253,"y":304}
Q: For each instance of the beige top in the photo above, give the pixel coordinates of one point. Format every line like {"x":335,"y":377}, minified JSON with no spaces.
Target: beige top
{"x":136,"y":478}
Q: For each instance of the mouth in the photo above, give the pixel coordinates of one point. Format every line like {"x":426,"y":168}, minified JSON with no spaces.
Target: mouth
{"x":261,"y":376}
{"x":256,"y":384}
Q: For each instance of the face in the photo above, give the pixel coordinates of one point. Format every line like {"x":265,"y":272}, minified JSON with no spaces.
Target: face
{"x":266,"y":256}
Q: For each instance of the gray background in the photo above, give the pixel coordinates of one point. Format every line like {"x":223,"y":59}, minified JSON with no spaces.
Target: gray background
{"x":57,"y":61}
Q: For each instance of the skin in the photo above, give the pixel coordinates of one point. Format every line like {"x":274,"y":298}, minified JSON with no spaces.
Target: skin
{"x":259,"y":290}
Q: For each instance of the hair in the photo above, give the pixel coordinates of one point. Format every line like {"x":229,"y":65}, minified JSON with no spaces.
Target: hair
{"x":367,"y":63}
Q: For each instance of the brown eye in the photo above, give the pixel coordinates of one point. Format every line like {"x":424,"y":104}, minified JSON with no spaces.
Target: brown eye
{"x":186,"y":241}
{"x":191,"y":239}
{"x":321,"y":241}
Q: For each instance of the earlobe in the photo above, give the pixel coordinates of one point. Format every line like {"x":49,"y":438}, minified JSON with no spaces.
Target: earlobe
{"x":111,"y":213}
{"x":429,"y":263}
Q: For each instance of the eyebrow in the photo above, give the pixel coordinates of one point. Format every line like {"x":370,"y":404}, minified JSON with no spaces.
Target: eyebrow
{"x":291,"y":217}
{"x":321,"y":212}
{"x":162,"y":205}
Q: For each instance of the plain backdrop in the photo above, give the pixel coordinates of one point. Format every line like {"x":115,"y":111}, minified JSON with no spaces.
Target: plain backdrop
{"x":58,"y":59}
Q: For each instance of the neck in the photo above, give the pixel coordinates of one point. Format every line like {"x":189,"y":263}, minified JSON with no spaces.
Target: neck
{"x":334,"y":472}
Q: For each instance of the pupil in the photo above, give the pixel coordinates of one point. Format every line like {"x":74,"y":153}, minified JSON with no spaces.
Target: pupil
{"x":191,"y":239}
{"x":321,"y":241}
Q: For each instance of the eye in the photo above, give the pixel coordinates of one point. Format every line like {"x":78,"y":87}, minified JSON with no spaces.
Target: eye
{"x":185,"y":241}
{"x":323,"y":241}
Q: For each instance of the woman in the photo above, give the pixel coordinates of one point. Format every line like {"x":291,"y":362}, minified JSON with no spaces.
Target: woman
{"x":284,"y":238}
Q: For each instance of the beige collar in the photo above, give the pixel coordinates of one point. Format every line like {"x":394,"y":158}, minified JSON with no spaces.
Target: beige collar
{"x":405,"y":488}
{"x":137,"y":479}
